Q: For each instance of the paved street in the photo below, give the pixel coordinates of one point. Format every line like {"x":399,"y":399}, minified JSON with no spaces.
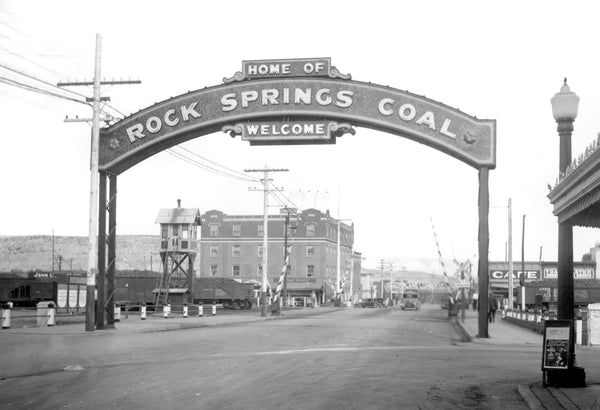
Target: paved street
{"x":323,"y":358}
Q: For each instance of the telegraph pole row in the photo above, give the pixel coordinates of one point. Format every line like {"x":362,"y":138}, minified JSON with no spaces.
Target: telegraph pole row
{"x":93,"y":214}
{"x":265,"y":181}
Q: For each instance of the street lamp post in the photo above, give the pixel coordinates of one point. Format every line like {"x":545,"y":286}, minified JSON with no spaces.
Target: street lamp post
{"x":564,"y":109}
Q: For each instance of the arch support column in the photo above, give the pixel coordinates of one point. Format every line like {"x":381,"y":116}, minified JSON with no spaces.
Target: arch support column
{"x":484,"y":244}
{"x":112,"y":251}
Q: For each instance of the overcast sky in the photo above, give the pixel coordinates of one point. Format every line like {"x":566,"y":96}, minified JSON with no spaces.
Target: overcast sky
{"x":501,"y":61}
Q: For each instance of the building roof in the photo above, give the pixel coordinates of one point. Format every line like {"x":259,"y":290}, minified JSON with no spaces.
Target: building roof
{"x":178,"y":216}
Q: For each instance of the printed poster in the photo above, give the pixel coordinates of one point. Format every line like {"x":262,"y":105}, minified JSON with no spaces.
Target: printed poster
{"x":556,"y":345}
{"x":61,"y":296}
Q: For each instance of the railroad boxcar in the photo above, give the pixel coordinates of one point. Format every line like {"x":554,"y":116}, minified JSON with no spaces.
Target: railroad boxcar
{"x":232,"y":294}
{"x":228,"y":292}
{"x":27,"y":292}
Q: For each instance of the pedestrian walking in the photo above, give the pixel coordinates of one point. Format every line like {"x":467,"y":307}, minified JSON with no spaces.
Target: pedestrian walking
{"x":475,"y":299}
{"x":493,"y":306}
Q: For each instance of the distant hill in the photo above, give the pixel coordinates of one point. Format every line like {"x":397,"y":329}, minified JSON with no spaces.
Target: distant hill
{"x":24,"y":253}
{"x":140,"y":252}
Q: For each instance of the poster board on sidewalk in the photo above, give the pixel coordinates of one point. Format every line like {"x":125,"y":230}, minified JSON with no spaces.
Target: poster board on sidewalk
{"x":556,"y":346}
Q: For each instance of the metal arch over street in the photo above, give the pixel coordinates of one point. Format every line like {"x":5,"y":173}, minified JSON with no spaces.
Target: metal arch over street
{"x":289,"y":102}
{"x":228,"y":107}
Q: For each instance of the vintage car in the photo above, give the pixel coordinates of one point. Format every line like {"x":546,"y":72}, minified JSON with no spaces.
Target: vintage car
{"x":410,"y":300}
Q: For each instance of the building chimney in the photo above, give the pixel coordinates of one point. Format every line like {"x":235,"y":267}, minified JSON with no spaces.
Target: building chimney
{"x":179,"y":203}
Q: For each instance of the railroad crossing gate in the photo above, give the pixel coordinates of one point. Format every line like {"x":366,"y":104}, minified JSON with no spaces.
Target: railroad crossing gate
{"x":288,"y":102}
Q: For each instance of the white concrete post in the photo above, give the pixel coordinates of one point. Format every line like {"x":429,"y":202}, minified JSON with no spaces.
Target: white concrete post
{"x":51,"y":315}
{"x":5,"y":317}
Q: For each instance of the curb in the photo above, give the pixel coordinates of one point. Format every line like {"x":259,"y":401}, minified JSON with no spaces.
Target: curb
{"x":527,"y":395}
{"x":457,"y":324}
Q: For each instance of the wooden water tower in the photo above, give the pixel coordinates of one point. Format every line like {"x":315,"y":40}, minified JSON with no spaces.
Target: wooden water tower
{"x":178,"y":244}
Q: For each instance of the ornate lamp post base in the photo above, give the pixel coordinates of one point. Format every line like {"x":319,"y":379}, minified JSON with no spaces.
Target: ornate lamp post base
{"x":573,"y":377}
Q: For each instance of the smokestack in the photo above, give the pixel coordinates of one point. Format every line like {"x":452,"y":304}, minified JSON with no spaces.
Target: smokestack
{"x":179,"y":203}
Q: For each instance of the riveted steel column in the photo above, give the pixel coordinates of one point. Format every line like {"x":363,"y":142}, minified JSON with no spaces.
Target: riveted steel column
{"x":101,"y":281}
{"x":484,"y":244}
{"x":112,"y":252}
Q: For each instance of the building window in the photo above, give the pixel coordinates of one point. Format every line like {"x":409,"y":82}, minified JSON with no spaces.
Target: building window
{"x":213,"y":270}
{"x":214,"y":229}
{"x":310,"y":250}
{"x":214,"y":251}
{"x":235,"y":270}
{"x":260,"y":270}
{"x":310,"y":271}
{"x":310,"y":229}
{"x":164,"y":231}
{"x":259,"y":251}
{"x":236,"y":250}
{"x":261,"y":230}
{"x":237,"y":230}
{"x":185,"y":232}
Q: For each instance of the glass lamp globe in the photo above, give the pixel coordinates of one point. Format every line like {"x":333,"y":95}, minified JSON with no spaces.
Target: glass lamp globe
{"x":565,"y":104}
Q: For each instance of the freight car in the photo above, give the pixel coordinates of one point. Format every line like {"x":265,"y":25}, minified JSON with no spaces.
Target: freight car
{"x":232,"y":294}
{"x":27,"y":292}
{"x":228,"y":292}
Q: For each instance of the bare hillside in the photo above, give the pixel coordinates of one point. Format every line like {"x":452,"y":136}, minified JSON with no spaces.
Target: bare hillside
{"x":35,"y":252}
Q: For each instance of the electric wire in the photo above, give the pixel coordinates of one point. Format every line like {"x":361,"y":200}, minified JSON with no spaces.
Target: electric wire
{"x":32,"y":77}
{"x":222,"y":166}
{"x":230,"y":173}
{"x":191,"y":161}
{"x":29,"y":87}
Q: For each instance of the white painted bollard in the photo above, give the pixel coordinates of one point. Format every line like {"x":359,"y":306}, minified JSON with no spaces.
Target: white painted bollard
{"x":5,"y":316}
{"x":166,"y":311}
{"x":143,"y":312}
{"x":185,"y":311}
{"x":200,"y":310}
{"x":214,"y":309}
{"x":51,"y":315}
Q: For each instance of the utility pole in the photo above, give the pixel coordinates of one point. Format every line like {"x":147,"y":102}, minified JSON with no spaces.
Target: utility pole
{"x":282,"y":300}
{"x":391,"y":285}
{"x":511,"y":294}
{"x":522,"y":279}
{"x":53,"y":250}
{"x":92,"y":267}
{"x":265,"y":181}
{"x":382,"y":267}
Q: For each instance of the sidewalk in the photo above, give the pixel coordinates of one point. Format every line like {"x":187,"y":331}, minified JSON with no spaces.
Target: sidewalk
{"x":535,"y":395}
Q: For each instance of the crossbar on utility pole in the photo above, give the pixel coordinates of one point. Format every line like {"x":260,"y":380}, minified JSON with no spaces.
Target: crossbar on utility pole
{"x":265,"y":181}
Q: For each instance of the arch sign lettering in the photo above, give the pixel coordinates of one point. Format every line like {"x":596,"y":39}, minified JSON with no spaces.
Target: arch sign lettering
{"x":291,"y":101}
{"x":301,"y":101}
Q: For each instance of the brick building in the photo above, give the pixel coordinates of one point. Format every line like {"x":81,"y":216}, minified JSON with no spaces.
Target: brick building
{"x":231,"y":246}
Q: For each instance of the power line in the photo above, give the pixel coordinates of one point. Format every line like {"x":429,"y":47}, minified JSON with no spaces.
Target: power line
{"x":217,"y":164}
{"x":38,"y":90}
{"x":192,"y":161}
{"x":30,"y":76}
